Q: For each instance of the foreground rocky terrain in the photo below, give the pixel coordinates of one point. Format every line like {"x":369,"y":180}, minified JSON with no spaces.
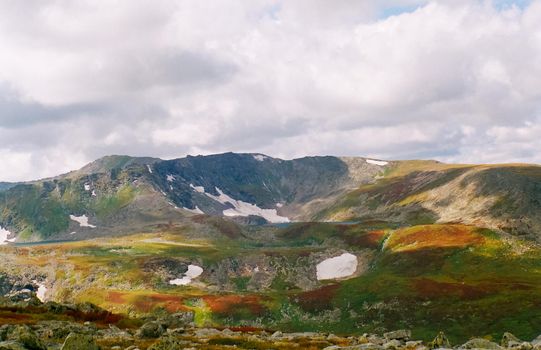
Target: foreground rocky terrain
{"x":87,"y":327}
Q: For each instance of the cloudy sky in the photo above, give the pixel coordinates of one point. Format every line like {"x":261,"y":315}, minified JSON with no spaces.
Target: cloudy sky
{"x":453,"y":80}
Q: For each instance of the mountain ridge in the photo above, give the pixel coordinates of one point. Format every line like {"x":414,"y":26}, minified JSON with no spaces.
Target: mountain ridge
{"x":116,"y":192}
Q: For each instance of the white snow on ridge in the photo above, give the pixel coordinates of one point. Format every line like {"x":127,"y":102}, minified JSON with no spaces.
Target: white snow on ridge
{"x":149,"y":168}
{"x":193,"y":272}
{"x":377,"y":162}
{"x":194,"y":211}
{"x":341,"y":266}
{"x":170,"y":178}
{"x":82,"y":220}
{"x":241,"y":208}
{"x":260,"y":157}
{"x":199,"y":189}
{"x":4,"y":234}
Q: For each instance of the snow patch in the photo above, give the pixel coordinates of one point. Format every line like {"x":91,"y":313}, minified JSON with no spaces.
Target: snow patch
{"x":194,"y":211}
{"x":377,"y":162}
{"x":193,"y":272}
{"x":279,"y":205}
{"x":260,"y":157}
{"x":149,"y":168}
{"x":72,"y":233}
{"x":4,"y":234}
{"x":87,"y":187}
{"x":42,"y":290}
{"x":199,"y":189}
{"x":82,"y":220}
{"x":93,"y":193}
{"x":338,"y":267}
{"x":241,"y":208}
{"x":170,"y":178}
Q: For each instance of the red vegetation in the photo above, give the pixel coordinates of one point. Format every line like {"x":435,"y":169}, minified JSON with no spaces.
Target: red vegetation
{"x":171,"y":303}
{"x":116,"y":297}
{"x":230,"y":304}
{"x":317,"y":300}
{"x":147,"y":303}
{"x":370,"y":239}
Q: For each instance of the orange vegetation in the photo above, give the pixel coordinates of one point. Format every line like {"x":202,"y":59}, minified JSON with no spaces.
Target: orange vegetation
{"x":228,"y":304}
{"x":434,"y":236}
{"x":148,"y":302}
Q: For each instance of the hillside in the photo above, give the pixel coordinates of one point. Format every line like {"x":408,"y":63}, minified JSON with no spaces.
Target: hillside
{"x":326,"y":244}
{"x":119,"y":194}
{"x":504,"y":197}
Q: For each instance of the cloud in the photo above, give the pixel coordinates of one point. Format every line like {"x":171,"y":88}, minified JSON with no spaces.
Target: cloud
{"x":453,"y":80}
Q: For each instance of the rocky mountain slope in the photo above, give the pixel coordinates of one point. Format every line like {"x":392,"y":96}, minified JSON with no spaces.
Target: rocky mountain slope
{"x":120,"y":194}
{"x":505,"y":197}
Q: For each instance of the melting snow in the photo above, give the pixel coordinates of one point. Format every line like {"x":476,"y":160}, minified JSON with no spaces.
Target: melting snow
{"x":195,"y":211}
{"x":377,"y":162}
{"x":199,"y":189}
{"x":4,"y":236}
{"x":241,"y":208}
{"x":93,"y":193}
{"x":82,"y":220}
{"x":42,"y":290}
{"x":87,"y":187}
{"x":279,"y":205}
{"x":194,"y":271}
{"x":340,"y":266}
{"x":149,"y":169}
{"x":260,"y":157}
{"x":170,"y":178}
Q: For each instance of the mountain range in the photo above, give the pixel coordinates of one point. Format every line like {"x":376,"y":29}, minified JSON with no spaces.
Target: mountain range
{"x":117,"y":194}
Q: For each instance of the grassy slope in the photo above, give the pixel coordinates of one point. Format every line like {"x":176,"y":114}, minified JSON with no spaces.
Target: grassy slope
{"x":461,"y":279}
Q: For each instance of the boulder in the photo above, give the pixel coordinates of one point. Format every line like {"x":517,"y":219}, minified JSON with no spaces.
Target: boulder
{"x":367,"y":346}
{"x":480,"y":343}
{"x":508,"y":337}
{"x":151,"y":329}
{"x":401,"y":334}
{"x":76,"y":341}
{"x":26,"y":337}
{"x":11,"y":345}
{"x":169,"y":343}
{"x":536,"y":343}
{"x":392,"y":345}
{"x":276,"y":334}
{"x":415,"y":345}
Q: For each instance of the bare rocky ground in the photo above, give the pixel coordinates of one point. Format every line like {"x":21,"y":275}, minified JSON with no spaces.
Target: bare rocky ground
{"x":29,"y":324}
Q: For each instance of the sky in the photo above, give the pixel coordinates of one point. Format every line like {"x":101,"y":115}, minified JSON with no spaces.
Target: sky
{"x":452,"y":80}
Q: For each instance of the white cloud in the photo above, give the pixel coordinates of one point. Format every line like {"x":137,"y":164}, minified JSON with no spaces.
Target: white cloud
{"x":442,"y":80}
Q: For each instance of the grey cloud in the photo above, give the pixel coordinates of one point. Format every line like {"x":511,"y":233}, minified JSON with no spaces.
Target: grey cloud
{"x":453,"y":80}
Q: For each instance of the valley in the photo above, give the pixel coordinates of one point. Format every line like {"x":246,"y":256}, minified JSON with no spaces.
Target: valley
{"x":320,"y":244}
